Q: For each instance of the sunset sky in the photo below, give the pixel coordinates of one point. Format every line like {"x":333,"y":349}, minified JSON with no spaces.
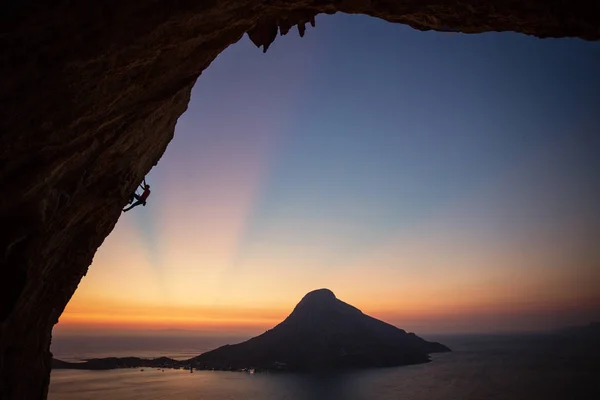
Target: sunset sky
{"x":441,"y":182}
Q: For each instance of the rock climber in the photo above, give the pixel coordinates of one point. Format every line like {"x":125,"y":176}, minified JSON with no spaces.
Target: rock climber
{"x":139,"y":198}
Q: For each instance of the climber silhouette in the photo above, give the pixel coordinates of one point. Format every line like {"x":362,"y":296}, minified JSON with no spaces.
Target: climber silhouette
{"x":139,"y":198}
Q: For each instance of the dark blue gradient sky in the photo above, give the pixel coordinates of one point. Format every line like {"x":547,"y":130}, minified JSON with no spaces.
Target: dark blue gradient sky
{"x":434,"y":179}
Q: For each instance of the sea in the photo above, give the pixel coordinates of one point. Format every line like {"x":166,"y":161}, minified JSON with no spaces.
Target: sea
{"x":511,"y":367}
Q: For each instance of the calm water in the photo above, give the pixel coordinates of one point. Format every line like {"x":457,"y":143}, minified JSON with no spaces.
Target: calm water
{"x":524,"y":367}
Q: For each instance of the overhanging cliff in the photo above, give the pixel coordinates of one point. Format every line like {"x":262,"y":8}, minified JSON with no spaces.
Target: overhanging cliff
{"x":91,"y":92}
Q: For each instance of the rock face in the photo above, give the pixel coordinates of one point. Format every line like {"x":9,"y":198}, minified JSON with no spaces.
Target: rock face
{"x":324,"y":333}
{"x":90,"y":94}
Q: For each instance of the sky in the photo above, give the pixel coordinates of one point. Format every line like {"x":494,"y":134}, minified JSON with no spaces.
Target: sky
{"x":442,"y":182}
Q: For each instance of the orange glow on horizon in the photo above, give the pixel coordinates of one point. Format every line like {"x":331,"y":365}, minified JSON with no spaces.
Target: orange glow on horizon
{"x":239,"y":227}
{"x":115,"y":317}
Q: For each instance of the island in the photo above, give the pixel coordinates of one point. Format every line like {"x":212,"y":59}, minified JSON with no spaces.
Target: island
{"x":321,"y":334}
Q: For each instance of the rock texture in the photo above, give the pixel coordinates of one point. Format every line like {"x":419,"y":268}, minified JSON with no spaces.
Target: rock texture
{"x":90,"y":95}
{"x":323,"y":333}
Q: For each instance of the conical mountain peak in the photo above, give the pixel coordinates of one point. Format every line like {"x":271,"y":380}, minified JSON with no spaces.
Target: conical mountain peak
{"x":318,"y":296}
{"x":320,"y":302}
{"x":323,"y":333}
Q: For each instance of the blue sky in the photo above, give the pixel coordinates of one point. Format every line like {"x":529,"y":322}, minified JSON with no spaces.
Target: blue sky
{"x":430,"y":178}
{"x":392,"y":123}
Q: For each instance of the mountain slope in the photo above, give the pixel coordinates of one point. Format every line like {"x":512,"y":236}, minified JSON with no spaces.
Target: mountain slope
{"x":323,"y":333}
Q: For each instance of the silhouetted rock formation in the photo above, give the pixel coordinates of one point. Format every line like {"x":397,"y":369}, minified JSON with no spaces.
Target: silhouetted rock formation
{"x":90,"y":94}
{"x":323,"y":333}
{"x":118,"y":362}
